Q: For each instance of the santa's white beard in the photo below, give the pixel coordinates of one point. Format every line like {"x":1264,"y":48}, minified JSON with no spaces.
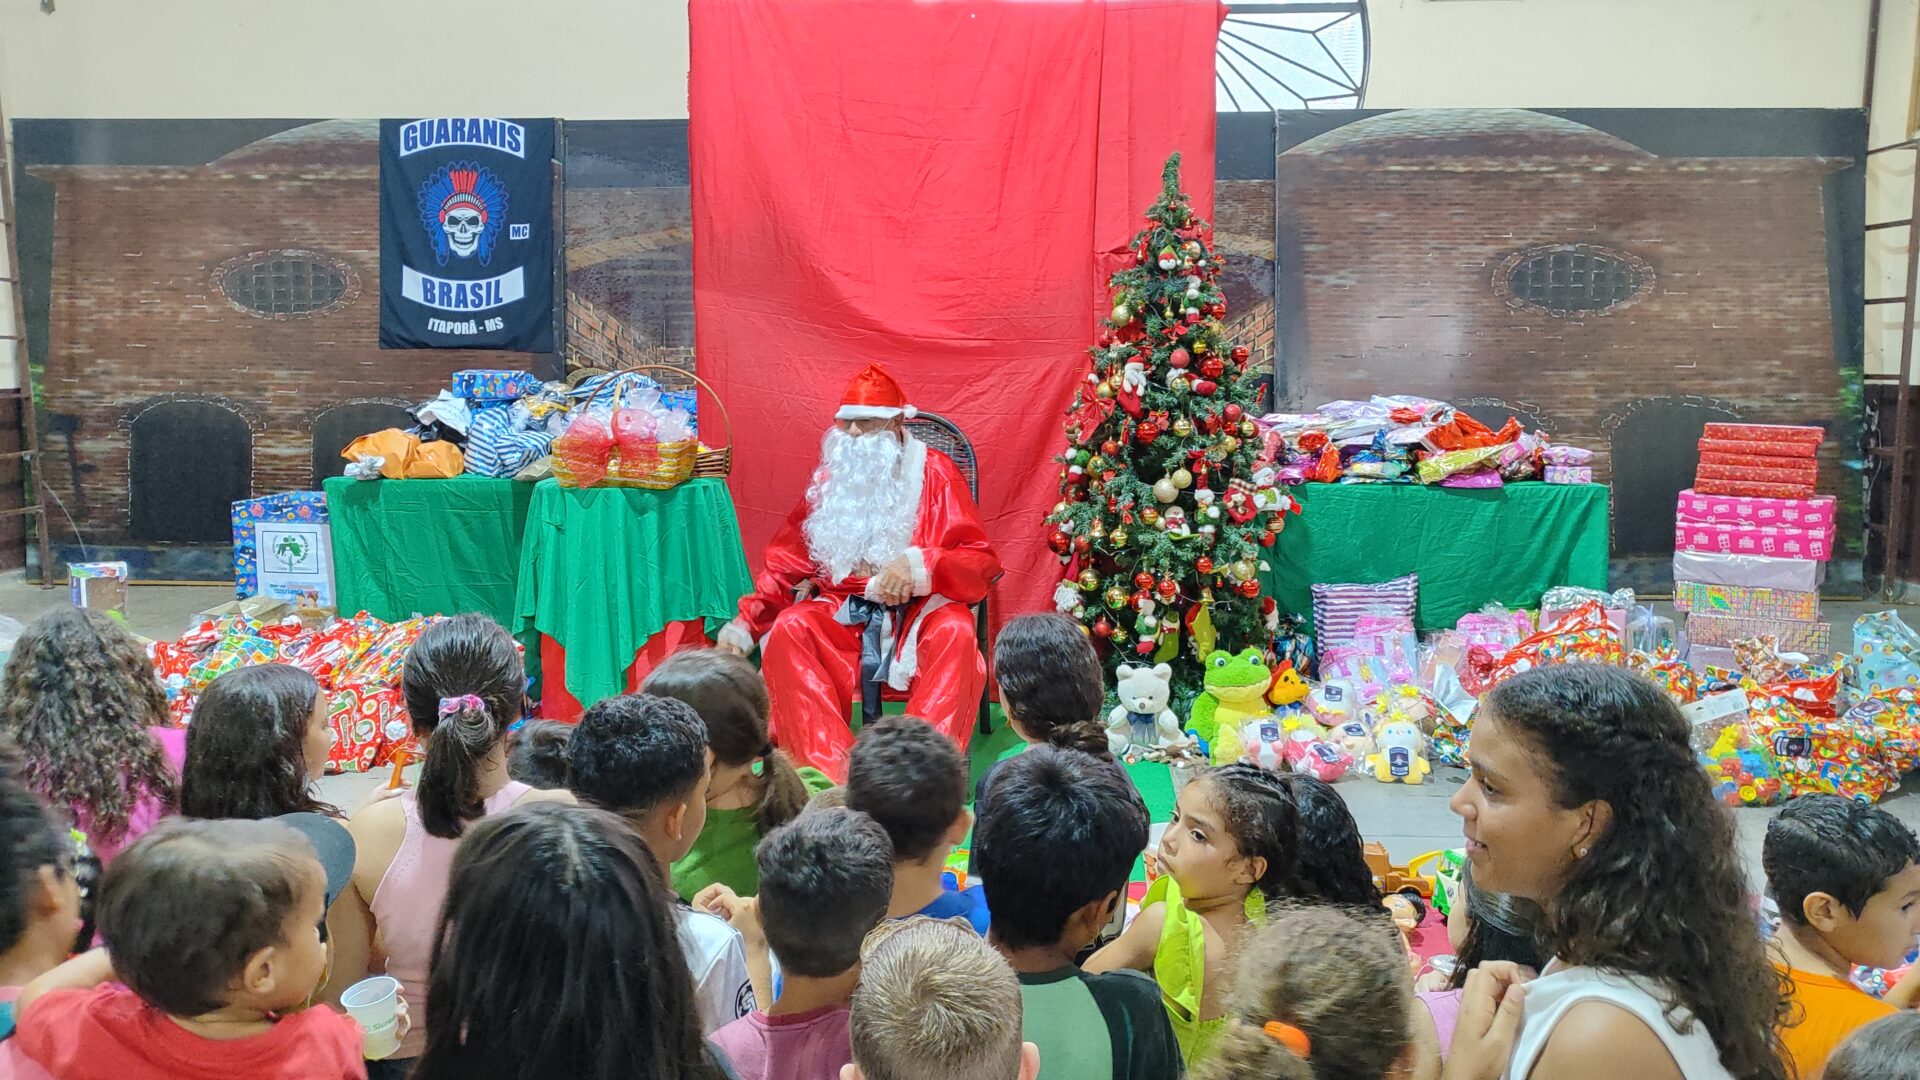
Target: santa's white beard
{"x":862,"y":509}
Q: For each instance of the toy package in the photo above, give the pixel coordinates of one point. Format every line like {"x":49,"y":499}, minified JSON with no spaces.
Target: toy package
{"x":1742,"y":769}
{"x":1337,"y":608}
{"x":1755,"y":571}
{"x":1666,"y":669}
{"x":1586,"y":635}
{"x":1804,"y":637}
{"x":1886,"y":653}
{"x":1833,"y":757}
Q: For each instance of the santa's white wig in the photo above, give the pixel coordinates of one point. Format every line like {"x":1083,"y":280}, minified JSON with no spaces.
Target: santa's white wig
{"x":863,"y":501}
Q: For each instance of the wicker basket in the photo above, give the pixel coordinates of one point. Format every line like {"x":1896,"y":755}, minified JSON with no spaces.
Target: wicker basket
{"x":676,"y":463}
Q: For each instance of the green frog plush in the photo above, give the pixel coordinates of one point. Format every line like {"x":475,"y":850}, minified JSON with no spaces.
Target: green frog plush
{"x":1235,"y":692}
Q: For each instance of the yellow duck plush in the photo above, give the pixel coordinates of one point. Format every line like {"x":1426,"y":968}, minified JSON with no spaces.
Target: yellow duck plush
{"x":1399,"y":759}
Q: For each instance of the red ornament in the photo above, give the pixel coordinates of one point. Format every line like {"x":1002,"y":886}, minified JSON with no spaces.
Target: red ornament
{"x":1141,"y":599}
{"x":1169,"y":588}
{"x":1193,"y":317}
{"x":1059,"y":541}
{"x":1179,"y":358}
{"x":1143,"y":580}
{"x":1267,"y":538}
{"x":1107,"y":475}
{"x":1203,"y":565}
{"x":1250,"y":588}
{"x":1239,"y":354}
{"x":1217,"y":309}
{"x":1233,"y":413}
{"x":1205,"y":387}
{"x":1212,"y":367}
{"x":1145,"y":648}
{"x":1110,"y":448}
{"x":1102,"y":629}
{"x":1082,"y":545}
{"x":1147,"y":432}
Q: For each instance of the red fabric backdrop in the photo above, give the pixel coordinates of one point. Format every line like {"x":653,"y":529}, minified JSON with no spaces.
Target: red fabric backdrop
{"x":941,"y":187}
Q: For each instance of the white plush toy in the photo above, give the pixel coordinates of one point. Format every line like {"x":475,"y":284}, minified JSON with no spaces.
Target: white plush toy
{"x":1400,"y":757}
{"x":1174,"y":520}
{"x":1142,"y":719}
{"x":1065,"y":597}
{"x":1207,"y":513}
{"x":1134,"y":377}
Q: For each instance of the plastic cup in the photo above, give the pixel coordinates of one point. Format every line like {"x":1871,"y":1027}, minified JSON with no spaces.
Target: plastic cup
{"x":375,"y":1004}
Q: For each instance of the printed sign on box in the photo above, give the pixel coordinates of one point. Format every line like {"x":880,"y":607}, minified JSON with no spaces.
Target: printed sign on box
{"x":282,"y":548}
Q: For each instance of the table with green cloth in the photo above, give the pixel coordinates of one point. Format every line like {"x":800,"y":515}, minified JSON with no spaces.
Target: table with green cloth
{"x":1471,"y":547}
{"x":427,"y":547}
{"x":605,"y":571}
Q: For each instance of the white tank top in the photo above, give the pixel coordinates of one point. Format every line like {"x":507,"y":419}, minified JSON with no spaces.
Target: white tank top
{"x":1551,"y":996}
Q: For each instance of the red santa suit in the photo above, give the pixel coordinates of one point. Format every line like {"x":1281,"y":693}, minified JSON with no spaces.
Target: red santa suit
{"x":819,"y":636}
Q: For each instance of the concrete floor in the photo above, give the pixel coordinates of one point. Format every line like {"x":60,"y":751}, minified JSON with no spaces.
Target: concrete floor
{"x":1409,"y":820}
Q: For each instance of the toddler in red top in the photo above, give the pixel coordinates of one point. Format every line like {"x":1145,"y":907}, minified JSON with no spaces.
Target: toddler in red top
{"x":213,"y":927}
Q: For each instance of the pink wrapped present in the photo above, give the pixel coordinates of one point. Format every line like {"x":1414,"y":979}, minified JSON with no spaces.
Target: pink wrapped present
{"x":1783,"y":433}
{"x":1745,"y":602}
{"x":1815,"y":513}
{"x":1568,"y":474}
{"x":1780,"y":542}
{"x":1812,"y":638}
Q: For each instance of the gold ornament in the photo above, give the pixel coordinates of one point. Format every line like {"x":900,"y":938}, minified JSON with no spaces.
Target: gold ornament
{"x":1165,"y":490}
{"x":1089,"y":581}
{"x":1059,"y":508}
{"x":1230,"y":444}
{"x":1104,"y":392}
{"x":1199,"y":348}
{"x":1150,"y":516}
{"x":1183,"y":427}
{"x":1122,"y":315}
{"x":1118,"y":537}
{"x":1243,"y":570}
{"x":1119,"y":636}
{"x":1116,"y":597}
{"x":1182,"y":479}
{"x":1248,"y":429}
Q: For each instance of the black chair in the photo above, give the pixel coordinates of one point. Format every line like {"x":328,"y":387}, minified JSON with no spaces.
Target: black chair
{"x":945,"y":436}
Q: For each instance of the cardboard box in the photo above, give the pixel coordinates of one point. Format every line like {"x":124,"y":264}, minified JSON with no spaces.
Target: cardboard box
{"x":1814,"y":513}
{"x":100,"y":586}
{"x":282,"y":548}
{"x":1775,"y":541}
{"x":1569,"y":474}
{"x":1743,"y":601}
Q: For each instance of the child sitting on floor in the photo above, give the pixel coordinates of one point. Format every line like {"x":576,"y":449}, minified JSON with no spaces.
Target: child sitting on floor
{"x":825,"y":882}
{"x":910,"y":778}
{"x":1333,"y":860}
{"x":537,"y":754}
{"x":39,"y":904}
{"x":214,"y":928}
{"x":755,"y":787}
{"x":645,"y":758}
{"x":1847,"y":882}
{"x":1055,"y":848}
{"x":1232,"y":846}
{"x":1320,"y":992}
{"x":936,"y":1003}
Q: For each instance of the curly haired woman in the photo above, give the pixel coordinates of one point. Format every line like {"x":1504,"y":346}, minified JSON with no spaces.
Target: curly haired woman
{"x":80,"y":701}
{"x":1585,"y":799}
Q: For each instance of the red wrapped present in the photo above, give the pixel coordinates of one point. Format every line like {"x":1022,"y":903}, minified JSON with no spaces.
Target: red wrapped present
{"x":1767,"y":433}
{"x":1709,"y":486}
{"x":1587,"y":635}
{"x":367,"y":723}
{"x":1773,"y":451}
{"x":1758,"y":474}
{"x":378,"y":660}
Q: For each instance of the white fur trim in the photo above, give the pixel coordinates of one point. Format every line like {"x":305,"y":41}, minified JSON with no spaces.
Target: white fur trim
{"x":922,"y":578}
{"x":913,"y":473}
{"x":735,"y":635}
{"x":868,"y":412}
{"x":907,"y":663}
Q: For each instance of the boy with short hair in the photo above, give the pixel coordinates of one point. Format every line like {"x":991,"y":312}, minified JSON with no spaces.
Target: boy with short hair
{"x":646,"y":759}
{"x":214,"y":928}
{"x":1846,"y":877}
{"x":1055,"y":846}
{"x":537,"y":754}
{"x":936,"y":1003}
{"x":825,"y":881}
{"x":913,"y":781}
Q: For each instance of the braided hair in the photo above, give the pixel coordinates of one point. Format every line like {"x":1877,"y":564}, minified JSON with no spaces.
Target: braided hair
{"x":1604,"y":734}
{"x":1264,"y":821}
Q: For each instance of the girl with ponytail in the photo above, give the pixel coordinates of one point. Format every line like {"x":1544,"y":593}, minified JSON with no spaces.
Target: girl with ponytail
{"x":463,"y":687}
{"x":755,"y":787}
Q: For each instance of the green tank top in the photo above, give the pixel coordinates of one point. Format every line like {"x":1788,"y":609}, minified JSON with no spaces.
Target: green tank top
{"x":1179,"y":966}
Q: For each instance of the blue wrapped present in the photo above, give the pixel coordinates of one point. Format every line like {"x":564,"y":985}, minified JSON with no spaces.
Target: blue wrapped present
{"x":492,"y":384}
{"x":282,"y":547}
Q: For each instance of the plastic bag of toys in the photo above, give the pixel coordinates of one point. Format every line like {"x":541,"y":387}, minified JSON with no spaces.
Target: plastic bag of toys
{"x":1742,"y":769}
{"x":1833,"y":757}
{"x":1670,"y":673}
{"x":1587,"y":634}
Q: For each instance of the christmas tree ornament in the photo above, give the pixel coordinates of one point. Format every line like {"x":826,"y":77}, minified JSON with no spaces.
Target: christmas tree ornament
{"x":1182,"y":479}
{"x":1243,"y":569}
{"x":1203,"y":565}
{"x":1267,"y":538}
{"x":1143,"y":580}
{"x":1150,"y":516}
{"x":1192,"y":249}
{"x":1079,"y":613}
{"x":1147,"y":432}
{"x":1119,"y":636}
{"x":1239,"y":354}
{"x":1118,"y":538}
{"x":1199,"y":348}
{"x":1205,"y":387}
{"x":1168,"y":258}
{"x":1165,"y":490}
{"x":1143,"y":647}
{"x":1212,"y":368}
{"x":1182,"y":427}
{"x":1059,"y":541}
{"x":1168,"y":588}
{"x":1102,"y":629}
{"x":1059,"y":508}
{"x":1179,"y":357}
{"x":1121,"y":315}
{"x":1248,"y":429}
{"x":1192,"y":315}
{"x":1089,"y":581}
{"x":1230,"y":444}
{"x":1116,"y":597}
{"x":1178,"y":382}
{"x":1143,"y":601}
{"x":1082,"y":545}
{"x":1104,"y":391}
{"x":1217,"y":309}
{"x":1250,"y":588}
{"x":1110,"y":448}
{"x":1233,"y":412}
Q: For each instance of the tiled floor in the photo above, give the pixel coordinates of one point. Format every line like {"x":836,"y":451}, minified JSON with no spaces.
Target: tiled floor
{"x":1409,"y":820}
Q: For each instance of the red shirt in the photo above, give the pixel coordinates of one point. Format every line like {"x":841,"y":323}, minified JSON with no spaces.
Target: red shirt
{"x":108,"y":1033}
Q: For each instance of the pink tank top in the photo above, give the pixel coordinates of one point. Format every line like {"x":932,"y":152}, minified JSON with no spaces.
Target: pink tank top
{"x":406,"y":906}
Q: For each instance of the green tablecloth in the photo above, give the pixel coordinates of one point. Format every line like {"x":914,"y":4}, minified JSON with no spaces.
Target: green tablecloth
{"x":427,"y":547}
{"x":1470,"y":547}
{"x":604,"y":569}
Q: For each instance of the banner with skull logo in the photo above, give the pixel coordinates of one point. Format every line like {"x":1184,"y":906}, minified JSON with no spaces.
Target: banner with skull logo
{"x":466,"y":234}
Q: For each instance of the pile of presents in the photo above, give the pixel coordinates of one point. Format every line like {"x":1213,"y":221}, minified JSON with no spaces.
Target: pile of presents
{"x":1752,"y":541}
{"x":1411,"y":440}
{"x":357,"y":662}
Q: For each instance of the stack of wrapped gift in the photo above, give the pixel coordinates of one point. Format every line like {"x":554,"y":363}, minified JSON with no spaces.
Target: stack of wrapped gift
{"x":1751,"y":541}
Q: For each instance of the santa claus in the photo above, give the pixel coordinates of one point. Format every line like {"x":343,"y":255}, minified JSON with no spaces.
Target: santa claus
{"x":869,"y":584}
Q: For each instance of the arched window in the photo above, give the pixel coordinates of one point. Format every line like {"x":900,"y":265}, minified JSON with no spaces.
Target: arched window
{"x":340,"y":425}
{"x":286,"y":284}
{"x":1572,"y":279}
{"x":190,"y":461}
{"x":1291,"y":54}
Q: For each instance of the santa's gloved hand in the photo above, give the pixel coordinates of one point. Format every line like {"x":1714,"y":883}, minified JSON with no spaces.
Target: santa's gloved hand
{"x":735,"y":639}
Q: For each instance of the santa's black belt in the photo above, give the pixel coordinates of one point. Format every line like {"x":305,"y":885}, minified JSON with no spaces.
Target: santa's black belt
{"x":876,"y":658}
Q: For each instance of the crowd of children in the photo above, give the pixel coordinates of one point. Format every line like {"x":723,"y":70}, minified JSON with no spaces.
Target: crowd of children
{"x":657,"y":892}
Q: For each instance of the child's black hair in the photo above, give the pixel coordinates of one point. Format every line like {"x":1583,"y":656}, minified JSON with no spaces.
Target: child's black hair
{"x":911,"y":779}
{"x":1887,"y":1049}
{"x":246,"y":748}
{"x":29,"y":840}
{"x":558,"y":954}
{"x":1499,"y":927}
{"x":538,"y":754}
{"x":464,"y":684}
{"x":634,"y":752}
{"x":1333,"y":861}
{"x":1827,"y":844}
{"x":1051,"y":681}
{"x":1263,"y":820}
{"x":1061,"y":830}
{"x":826,"y":878}
{"x":184,"y":907}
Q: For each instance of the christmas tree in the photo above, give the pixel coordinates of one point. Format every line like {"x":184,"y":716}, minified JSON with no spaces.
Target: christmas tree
{"x":1165,"y":507}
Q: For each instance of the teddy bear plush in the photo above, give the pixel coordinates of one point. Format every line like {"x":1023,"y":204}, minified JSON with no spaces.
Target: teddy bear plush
{"x":1142,"y":720}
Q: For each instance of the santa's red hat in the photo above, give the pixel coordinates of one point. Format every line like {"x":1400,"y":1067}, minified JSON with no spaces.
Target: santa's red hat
{"x":873,"y":395}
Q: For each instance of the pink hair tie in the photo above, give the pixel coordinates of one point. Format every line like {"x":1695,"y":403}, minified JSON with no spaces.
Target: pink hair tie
{"x":452,"y":706}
